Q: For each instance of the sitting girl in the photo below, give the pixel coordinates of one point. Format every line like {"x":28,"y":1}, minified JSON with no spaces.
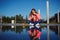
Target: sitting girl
{"x":34,"y":20}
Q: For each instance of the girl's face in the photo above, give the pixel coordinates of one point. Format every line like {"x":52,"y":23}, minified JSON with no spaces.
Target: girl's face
{"x":33,"y":11}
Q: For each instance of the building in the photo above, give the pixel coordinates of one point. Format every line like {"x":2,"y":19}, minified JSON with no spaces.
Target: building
{"x":54,"y":19}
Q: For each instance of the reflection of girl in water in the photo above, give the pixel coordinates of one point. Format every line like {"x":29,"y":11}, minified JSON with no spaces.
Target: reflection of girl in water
{"x":34,"y":19}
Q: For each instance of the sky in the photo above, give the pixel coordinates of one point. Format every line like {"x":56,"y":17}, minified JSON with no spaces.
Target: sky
{"x":23,"y":7}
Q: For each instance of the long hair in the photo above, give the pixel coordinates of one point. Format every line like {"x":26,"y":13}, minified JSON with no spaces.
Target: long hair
{"x":31,"y":12}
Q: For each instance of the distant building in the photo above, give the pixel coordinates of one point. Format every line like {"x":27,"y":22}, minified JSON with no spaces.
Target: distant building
{"x":54,"y":19}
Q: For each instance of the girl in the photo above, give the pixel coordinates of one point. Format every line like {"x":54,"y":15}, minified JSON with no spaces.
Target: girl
{"x":34,"y":19}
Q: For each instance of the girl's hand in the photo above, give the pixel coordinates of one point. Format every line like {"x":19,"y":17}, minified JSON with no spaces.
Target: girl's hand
{"x":32,"y":16}
{"x":34,"y":13}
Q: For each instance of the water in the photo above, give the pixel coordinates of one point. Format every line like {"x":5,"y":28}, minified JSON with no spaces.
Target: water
{"x":22,"y":34}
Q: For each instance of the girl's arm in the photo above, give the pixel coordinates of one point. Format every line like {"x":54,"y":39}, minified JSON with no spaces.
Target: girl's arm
{"x":38,"y":16}
{"x":30,"y":17}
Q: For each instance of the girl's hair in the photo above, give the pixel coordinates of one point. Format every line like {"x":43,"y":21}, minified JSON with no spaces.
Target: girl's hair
{"x":31,"y":12}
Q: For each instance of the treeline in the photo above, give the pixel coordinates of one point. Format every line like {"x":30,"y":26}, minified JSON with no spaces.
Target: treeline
{"x":19,"y":19}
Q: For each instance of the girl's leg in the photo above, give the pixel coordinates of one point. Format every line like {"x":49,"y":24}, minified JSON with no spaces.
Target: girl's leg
{"x":30,"y":33}
{"x":34,"y":32}
{"x":38,"y":34}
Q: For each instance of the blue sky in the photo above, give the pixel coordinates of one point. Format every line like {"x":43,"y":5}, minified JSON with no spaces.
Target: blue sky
{"x":23,"y":7}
